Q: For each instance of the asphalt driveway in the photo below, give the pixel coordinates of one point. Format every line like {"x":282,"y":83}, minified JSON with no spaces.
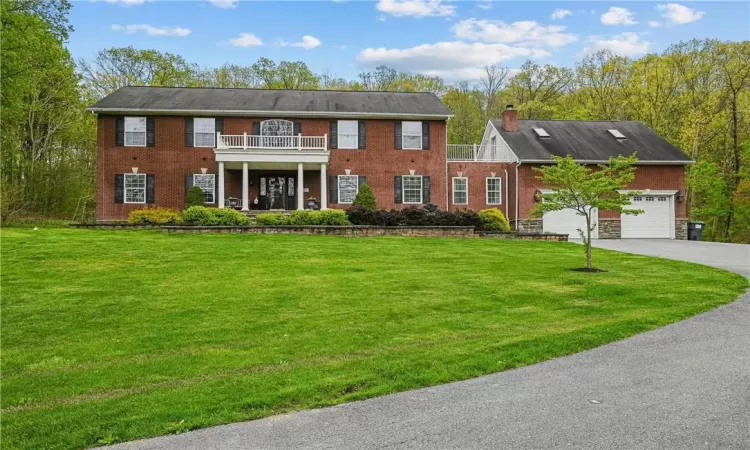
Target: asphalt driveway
{"x":686,"y":385}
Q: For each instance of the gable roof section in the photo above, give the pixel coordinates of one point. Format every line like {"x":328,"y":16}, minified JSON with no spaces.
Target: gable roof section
{"x":589,"y":141}
{"x":271,"y":102}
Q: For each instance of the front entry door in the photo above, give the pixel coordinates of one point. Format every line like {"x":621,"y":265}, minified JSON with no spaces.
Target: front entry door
{"x":276,"y":198}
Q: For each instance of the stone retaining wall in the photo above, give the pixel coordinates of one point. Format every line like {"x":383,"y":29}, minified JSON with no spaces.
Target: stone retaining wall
{"x":610,"y":229}
{"x":534,"y":226}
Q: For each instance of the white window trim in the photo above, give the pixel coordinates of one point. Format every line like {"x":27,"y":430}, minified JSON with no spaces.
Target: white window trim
{"x":465,"y":191}
{"x":125,"y":132}
{"x":125,"y":187}
{"x":403,"y":189}
{"x":499,"y":191}
{"x":213,"y":192}
{"x":195,"y":132}
{"x":403,"y":134}
{"x":356,"y":135}
{"x":338,"y":189}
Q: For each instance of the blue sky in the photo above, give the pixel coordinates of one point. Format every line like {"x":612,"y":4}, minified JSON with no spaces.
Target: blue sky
{"x":452,"y":39}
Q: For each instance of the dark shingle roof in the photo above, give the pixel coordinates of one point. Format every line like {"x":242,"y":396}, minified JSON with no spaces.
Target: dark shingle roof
{"x":588,"y":141}
{"x":249,"y":101}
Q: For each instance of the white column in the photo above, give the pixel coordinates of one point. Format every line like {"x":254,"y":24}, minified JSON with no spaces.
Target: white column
{"x":300,"y":187}
{"x":323,"y":187}
{"x":221,"y":184}
{"x":245,"y":200}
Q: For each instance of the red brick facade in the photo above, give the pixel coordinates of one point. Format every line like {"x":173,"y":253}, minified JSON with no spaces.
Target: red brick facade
{"x":169,"y":160}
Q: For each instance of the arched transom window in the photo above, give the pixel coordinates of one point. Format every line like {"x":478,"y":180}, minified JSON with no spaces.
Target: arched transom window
{"x":276,"y":127}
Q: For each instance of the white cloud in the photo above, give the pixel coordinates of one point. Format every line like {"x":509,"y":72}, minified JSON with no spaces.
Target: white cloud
{"x":524,"y":32}
{"x":680,"y":14}
{"x":618,"y":16}
{"x":625,"y":44}
{"x":126,"y":2}
{"x":415,"y":8}
{"x":308,"y":42}
{"x":485,"y":4}
{"x":561,"y":13}
{"x":224,"y":3}
{"x":246,"y":40}
{"x":152,"y":30}
{"x":654,"y":24}
{"x":451,"y":60}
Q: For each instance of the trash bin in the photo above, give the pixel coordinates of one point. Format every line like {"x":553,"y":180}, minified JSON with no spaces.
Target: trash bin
{"x":695,"y":230}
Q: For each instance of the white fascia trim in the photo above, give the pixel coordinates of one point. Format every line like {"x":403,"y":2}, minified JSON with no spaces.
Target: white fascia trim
{"x":220,"y":113}
{"x":650,"y":191}
{"x":596,"y":161}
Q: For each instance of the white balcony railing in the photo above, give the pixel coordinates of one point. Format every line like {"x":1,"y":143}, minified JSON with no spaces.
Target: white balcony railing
{"x":474,"y":152}
{"x":256,"y":142}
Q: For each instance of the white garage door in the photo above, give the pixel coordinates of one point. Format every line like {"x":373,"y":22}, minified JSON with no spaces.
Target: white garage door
{"x":566,"y":221}
{"x":655,"y":221}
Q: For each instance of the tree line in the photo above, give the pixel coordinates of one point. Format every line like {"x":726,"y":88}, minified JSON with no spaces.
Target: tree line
{"x":696,"y":94}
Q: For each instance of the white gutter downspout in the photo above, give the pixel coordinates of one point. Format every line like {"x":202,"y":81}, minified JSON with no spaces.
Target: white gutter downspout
{"x":517,"y":164}
{"x":447,"y":203}
{"x":506,"y":192}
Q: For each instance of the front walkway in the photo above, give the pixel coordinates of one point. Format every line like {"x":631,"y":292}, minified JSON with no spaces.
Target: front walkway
{"x":681,"y":386}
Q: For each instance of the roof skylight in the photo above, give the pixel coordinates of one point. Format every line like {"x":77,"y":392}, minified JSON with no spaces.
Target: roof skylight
{"x":616,"y":134}
{"x":541,"y":132}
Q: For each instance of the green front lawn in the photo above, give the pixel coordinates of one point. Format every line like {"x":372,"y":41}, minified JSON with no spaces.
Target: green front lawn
{"x":117,"y":335}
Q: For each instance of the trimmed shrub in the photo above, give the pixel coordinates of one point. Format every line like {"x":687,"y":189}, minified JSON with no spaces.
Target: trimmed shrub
{"x":365,"y":198}
{"x":494,"y":220}
{"x":154,"y":216}
{"x":194,"y":197}
{"x":199,"y":215}
{"x":229,"y":217}
{"x":428,"y":215}
{"x":271,"y":219}
{"x":335,"y":216}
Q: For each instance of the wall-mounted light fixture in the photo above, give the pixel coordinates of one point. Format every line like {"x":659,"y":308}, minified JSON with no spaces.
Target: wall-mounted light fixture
{"x":679,"y":196}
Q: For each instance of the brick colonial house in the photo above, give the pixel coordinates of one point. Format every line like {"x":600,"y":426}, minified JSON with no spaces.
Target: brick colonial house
{"x":254,"y":149}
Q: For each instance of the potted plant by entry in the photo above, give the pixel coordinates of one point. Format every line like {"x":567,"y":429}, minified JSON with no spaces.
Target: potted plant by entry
{"x":312,"y":203}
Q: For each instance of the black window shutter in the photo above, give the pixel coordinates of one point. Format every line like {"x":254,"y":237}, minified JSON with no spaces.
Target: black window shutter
{"x":425,"y":190}
{"x":119,"y":188}
{"x":362,"y":138}
{"x":397,"y":136}
{"x":120,"y":131}
{"x":297,"y":128}
{"x":149,"y":189}
{"x":256,"y":128}
{"x":188,"y":131}
{"x":334,"y":134}
{"x":333,"y":189}
{"x":362,"y":180}
{"x":425,"y":135}
{"x":150,"y":132}
{"x":219,"y":125}
{"x":397,"y":189}
{"x":188,"y":183}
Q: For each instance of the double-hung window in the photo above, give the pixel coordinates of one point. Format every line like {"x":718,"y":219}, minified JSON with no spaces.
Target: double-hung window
{"x":207,"y":182}
{"x":135,"y":187}
{"x":348,"y":187}
{"x":135,"y":131}
{"x":494,"y":196}
{"x":412,"y":189}
{"x":204,"y":130}
{"x":460,"y":190}
{"x":411,"y":135}
{"x":348,"y":131}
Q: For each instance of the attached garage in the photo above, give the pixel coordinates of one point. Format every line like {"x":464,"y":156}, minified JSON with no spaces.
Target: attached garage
{"x":567,"y":221}
{"x":656,"y":221}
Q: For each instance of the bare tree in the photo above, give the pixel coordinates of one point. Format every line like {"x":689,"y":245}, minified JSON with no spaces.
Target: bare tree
{"x":493,"y":81}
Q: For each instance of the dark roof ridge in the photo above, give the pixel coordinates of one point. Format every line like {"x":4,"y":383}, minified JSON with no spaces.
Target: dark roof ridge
{"x":276,"y":89}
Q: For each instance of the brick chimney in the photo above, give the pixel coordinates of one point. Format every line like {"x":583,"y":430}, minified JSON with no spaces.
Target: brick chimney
{"x":510,"y":119}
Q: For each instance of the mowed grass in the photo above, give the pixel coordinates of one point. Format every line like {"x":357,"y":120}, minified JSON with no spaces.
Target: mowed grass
{"x":112,"y":336}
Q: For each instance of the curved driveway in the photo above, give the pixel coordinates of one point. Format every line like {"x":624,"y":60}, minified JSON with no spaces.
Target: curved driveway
{"x":686,"y":385}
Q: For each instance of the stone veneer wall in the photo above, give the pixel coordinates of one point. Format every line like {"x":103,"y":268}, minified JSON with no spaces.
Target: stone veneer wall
{"x":610,"y":229}
{"x":680,"y":229}
{"x":528,"y":225}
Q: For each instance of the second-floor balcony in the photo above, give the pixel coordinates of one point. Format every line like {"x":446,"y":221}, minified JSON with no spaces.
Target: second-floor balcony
{"x":476,"y":152}
{"x":250,"y":142}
